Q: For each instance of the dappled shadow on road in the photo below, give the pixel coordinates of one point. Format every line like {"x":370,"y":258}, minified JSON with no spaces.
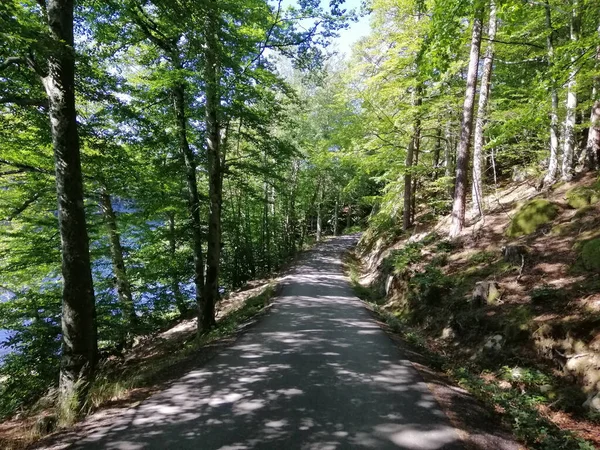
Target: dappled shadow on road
{"x":316,"y":373}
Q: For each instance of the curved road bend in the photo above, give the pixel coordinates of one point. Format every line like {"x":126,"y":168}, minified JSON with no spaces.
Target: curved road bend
{"x":317,"y":372}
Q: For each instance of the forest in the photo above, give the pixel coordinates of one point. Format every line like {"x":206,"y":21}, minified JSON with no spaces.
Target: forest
{"x":157,"y":155}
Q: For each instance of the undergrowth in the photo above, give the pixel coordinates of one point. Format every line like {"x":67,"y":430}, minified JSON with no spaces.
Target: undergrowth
{"x":116,"y":383}
{"x":517,"y":392}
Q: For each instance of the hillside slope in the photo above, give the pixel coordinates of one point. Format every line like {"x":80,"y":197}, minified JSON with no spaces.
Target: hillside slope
{"x":515,"y":301}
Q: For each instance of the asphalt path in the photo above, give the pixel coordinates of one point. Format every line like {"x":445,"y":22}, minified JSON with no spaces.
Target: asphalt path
{"x":316,"y":372}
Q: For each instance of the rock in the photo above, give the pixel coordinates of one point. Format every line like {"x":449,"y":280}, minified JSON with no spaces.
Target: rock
{"x":590,"y":255}
{"x":582,"y":196}
{"x":448,"y":334}
{"x":485,"y":293}
{"x":593,"y":403}
{"x":494,"y":343}
{"x":521,"y":174}
{"x":514,"y":254}
{"x":388,"y":284}
{"x":531,"y":216}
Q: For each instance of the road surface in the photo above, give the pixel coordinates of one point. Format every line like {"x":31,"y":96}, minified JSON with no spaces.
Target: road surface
{"x":316,"y":372}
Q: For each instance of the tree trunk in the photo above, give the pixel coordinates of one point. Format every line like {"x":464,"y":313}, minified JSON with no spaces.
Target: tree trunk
{"x":550,"y":177}
{"x":437,"y":151}
{"x":417,"y":148}
{"x":590,"y":157}
{"x":335,"y":215}
{"x":291,"y":227}
{"x":462,"y":159}
{"x":571,"y":118}
{"x":79,"y":340}
{"x":192,"y":191}
{"x":349,"y":216}
{"x":266,"y":236}
{"x":213,"y":156}
{"x":122,"y":282}
{"x":410,"y":156}
{"x":319,"y":206}
{"x":448,"y":150}
{"x":484,"y":92}
{"x":179,"y":299}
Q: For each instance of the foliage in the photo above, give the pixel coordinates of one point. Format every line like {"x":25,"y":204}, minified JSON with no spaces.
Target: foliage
{"x":429,"y":286}
{"x":399,"y":260}
{"x":546,"y":294}
{"x":519,"y":405}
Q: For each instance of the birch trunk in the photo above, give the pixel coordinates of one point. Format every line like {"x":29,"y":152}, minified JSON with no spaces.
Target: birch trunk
{"x":550,"y":177}
{"x":571,"y":118}
{"x":462,"y":158}
{"x":79,"y":340}
{"x":484,"y":93}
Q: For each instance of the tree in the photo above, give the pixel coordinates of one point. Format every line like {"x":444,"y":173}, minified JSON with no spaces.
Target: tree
{"x":206,"y":319}
{"x":484,"y":93}
{"x":590,"y":156}
{"x":54,"y":65}
{"x":550,"y":176}
{"x":462,"y":161}
{"x":570,"y":138}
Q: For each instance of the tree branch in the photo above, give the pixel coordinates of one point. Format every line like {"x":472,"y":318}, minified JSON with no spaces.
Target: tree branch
{"x":12,"y":60}
{"x":514,"y":43}
{"x":26,"y":167}
{"x":24,"y":206}
{"x":23,"y":101}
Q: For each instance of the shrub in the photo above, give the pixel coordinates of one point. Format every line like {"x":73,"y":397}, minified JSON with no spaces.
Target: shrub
{"x":531,"y":216}
{"x":430,"y":285}
{"x":399,"y":260}
{"x":483,"y":257}
{"x":546,"y":294}
{"x":445,"y":246}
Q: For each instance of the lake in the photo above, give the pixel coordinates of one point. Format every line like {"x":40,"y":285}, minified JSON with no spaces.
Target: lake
{"x":3,"y":336}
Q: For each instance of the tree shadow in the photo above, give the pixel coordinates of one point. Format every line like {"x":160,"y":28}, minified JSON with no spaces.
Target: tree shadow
{"x":315,"y":373}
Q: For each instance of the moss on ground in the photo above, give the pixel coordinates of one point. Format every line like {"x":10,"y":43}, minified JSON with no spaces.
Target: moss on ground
{"x":531,"y":216}
{"x":582,"y":196}
{"x":590,"y":255}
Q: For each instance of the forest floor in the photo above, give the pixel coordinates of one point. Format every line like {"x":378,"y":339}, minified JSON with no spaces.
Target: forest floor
{"x":532,"y":351}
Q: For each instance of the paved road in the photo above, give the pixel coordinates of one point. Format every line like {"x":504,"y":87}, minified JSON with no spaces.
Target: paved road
{"x":316,"y":373}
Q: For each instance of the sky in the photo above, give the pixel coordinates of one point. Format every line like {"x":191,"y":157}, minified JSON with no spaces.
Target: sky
{"x":356,"y":30}
{"x":351,"y":35}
